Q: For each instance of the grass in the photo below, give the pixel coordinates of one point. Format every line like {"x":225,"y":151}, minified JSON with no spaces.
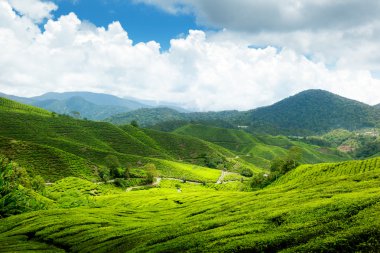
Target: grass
{"x":324,"y":208}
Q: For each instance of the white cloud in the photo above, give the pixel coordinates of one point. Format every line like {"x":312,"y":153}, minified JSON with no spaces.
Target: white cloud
{"x":34,"y":9}
{"x":209,"y":72}
{"x":342,"y":32}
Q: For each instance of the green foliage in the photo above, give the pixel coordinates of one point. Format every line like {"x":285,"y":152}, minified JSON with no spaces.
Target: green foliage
{"x":313,"y":208}
{"x":16,"y":195}
{"x":309,"y":112}
{"x":134,"y":123}
{"x":246,"y":173}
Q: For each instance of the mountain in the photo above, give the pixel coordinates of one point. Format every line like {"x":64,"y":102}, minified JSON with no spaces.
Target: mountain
{"x":314,"y":111}
{"x":95,"y":98}
{"x":81,"y":107}
{"x":18,"y":99}
{"x":309,"y":112}
{"x":164,"y":118}
{"x":377,"y":106}
{"x":93,"y":106}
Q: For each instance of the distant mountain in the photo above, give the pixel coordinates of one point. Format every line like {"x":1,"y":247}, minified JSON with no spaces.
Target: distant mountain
{"x":95,"y":98}
{"x":16,"y":98}
{"x":94,"y":106}
{"x":377,"y":106}
{"x":309,"y":112}
{"x":80,"y":107}
{"x":165,"y":118}
{"x":314,"y":111}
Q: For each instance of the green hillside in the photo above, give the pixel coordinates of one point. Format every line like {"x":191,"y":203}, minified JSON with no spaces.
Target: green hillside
{"x":314,"y":208}
{"x":315,"y":111}
{"x":309,"y":112}
{"x":71,"y":147}
{"x":259,"y":149}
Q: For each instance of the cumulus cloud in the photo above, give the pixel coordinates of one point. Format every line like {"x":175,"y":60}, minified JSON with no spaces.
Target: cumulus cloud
{"x":202,"y":71}
{"x":34,"y":9}
{"x":342,"y":33}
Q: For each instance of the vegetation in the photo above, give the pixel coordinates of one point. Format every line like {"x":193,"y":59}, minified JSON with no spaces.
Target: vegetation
{"x":307,"y":113}
{"x":70,"y":185}
{"x":324,"y":207}
{"x":59,"y":146}
{"x":260,"y":149}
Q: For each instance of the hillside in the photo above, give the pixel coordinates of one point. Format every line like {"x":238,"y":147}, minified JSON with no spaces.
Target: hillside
{"x":309,"y":112}
{"x":314,"y":208}
{"x":259,"y":149}
{"x":315,"y":111}
{"x":29,"y":128}
{"x":377,"y":106}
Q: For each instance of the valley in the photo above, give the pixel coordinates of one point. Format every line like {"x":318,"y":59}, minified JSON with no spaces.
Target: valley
{"x":160,"y":180}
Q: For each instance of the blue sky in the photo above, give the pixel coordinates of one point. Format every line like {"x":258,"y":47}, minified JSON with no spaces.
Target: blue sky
{"x":143,"y":22}
{"x":225,"y":54}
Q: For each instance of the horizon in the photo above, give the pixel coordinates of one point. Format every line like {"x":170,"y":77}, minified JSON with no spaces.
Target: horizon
{"x":188,"y":53}
{"x":171,"y":105}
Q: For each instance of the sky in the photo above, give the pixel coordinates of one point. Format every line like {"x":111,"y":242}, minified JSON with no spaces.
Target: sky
{"x":200,"y":54}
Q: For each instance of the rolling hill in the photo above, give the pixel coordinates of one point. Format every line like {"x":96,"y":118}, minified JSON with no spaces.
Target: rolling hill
{"x":309,"y":112}
{"x":314,"y":208}
{"x":87,"y":144}
{"x":259,"y":149}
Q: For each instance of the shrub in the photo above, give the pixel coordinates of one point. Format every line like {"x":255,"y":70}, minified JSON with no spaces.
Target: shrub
{"x":246,"y":172}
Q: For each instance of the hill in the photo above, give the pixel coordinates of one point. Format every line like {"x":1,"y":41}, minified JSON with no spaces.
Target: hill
{"x":314,"y":208}
{"x":259,"y":149}
{"x":377,"y":106}
{"x":39,"y":133}
{"x":309,"y":112}
{"x":315,"y":111}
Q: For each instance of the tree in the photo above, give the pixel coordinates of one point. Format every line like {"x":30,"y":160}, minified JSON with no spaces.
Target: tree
{"x":113,"y":164}
{"x":151,"y":172}
{"x":76,"y":114}
{"x":134,"y":123}
{"x":287,"y":163}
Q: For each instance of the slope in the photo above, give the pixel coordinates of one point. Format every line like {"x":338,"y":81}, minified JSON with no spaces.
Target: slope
{"x":94,"y":141}
{"x":309,"y":112}
{"x":259,"y":149}
{"x":315,"y":111}
{"x":315,"y":208}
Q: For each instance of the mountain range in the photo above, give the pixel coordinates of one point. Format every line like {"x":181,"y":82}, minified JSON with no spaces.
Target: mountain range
{"x":93,"y":106}
{"x":306,"y":113}
{"x":309,"y":112}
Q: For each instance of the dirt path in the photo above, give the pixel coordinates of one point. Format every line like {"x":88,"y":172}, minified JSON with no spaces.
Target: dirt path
{"x":221,"y":178}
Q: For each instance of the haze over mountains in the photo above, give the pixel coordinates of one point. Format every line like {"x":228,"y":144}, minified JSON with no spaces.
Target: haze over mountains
{"x":93,"y":106}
